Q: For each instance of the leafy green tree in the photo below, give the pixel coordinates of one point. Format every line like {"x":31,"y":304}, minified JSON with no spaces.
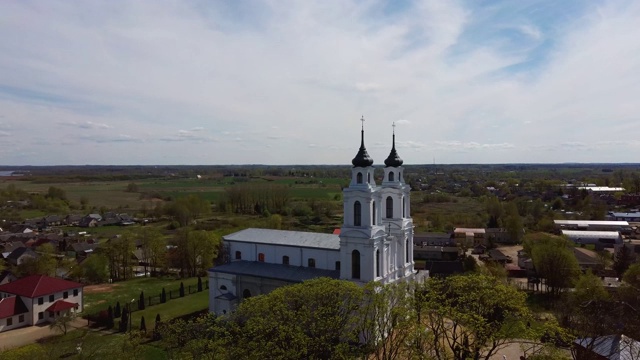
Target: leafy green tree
{"x":391,"y":321}
{"x":185,"y":210}
{"x":473,"y":316}
{"x":44,"y":264}
{"x":197,"y":249}
{"x":119,"y":252}
{"x":553,"y":260}
{"x":143,"y":325}
{"x":513,"y":223}
{"x":62,"y":323}
{"x":95,"y":269}
{"x":110,"y":317}
{"x":154,"y":247}
{"x":313,"y":320}
{"x":124,"y":320}
{"x":132,"y":187}
{"x":622,"y":260}
{"x":56,"y":193}
{"x":494,"y":210}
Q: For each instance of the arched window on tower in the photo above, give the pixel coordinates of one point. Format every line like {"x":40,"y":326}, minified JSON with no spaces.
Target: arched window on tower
{"x":359,"y":178}
{"x":285,"y":260}
{"x":390,"y":175}
{"x":378,"y":263}
{"x":368,"y":178}
{"x":374,"y":213}
{"x":406,"y":253}
{"x":261,"y":257}
{"x":357,"y":214}
{"x":389,"y":207}
{"x":246,"y":294}
{"x":404,"y":207}
{"x":355,"y":264}
{"x":311,"y":262}
{"x":238,"y":255}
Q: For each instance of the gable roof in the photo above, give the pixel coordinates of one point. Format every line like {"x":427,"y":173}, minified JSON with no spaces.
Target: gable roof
{"x":286,"y":238}
{"x":17,"y":253}
{"x":62,"y":305}
{"x":11,"y":306}
{"x":38,"y":285}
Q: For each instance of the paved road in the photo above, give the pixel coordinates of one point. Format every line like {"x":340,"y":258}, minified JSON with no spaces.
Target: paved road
{"x":29,"y":335}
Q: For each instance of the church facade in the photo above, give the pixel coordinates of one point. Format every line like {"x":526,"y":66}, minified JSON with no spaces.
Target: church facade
{"x":375,"y":242}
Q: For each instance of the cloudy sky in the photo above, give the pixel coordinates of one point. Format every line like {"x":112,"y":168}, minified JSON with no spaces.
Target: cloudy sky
{"x":286,"y":82}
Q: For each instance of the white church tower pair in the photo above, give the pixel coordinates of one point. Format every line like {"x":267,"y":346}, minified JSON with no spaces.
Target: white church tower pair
{"x":376,"y":239}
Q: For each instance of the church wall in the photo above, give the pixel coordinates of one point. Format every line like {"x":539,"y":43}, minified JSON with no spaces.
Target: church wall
{"x":239,"y":286}
{"x":298,"y":256}
{"x":220,"y":284}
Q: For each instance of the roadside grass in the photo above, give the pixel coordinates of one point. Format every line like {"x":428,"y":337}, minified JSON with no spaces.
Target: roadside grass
{"x":109,"y":294}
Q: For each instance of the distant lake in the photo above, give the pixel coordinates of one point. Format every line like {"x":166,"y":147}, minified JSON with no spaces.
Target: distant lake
{"x":6,"y":173}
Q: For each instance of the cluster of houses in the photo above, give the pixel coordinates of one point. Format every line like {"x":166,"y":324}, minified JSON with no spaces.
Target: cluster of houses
{"x":89,"y":220}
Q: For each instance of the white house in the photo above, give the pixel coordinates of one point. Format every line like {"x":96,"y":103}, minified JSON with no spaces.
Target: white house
{"x":375,"y":242}
{"x":37,"y":299}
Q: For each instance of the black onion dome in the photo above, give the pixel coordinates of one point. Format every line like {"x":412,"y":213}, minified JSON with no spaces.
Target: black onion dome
{"x":394,"y":159}
{"x":362,"y":158}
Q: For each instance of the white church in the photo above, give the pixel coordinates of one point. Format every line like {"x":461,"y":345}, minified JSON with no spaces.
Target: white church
{"x":375,"y":242}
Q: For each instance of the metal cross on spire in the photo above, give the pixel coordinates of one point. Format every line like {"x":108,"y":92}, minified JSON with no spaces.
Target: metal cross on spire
{"x":393,"y":125}
{"x":362,"y":119}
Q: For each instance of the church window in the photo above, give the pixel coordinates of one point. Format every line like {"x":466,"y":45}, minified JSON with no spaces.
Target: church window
{"x":357,"y":214}
{"x":368,"y":178}
{"x":246,"y":294}
{"x":391,"y":176}
{"x":359,"y":178}
{"x":238,"y":255}
{"x":223,"y":288}
{"x":311,"y":262}
{"x":373,"y":218}
{"x":389,"y":207}
{"x":338,"y":265}
{"x":261,"y":257}
{"x":404,"y":207}
{"x":406,"y":253}
{"x":355,"y":264}
{"x":285,"y":260}
{"x":378,"y":263}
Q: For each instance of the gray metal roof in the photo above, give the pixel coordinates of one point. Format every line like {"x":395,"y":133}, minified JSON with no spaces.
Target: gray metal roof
{"x":622,"y":215}
{"x":591,"y":222}
{"x":286,"y":238}
{"x":591,"y":234}
{"x":274,"y":271}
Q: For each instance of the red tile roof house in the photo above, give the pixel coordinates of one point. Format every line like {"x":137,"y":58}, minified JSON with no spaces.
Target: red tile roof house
{"x":37,"y":299}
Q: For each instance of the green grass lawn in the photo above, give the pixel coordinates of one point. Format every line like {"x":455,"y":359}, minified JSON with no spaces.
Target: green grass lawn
{"x":124,"y":291}
{"x":171,"y":309}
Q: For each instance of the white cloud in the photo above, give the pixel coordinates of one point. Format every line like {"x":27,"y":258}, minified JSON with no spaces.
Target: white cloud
{"x":304,"y":73}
